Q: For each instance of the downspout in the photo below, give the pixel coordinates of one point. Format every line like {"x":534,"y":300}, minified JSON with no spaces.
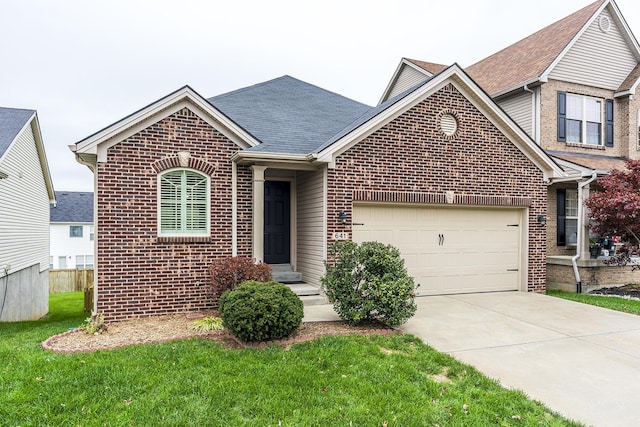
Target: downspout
{"x":574,"y":259}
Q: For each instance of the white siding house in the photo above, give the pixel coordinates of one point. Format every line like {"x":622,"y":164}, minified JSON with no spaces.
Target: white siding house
{"x":26,"y":192}
{"x":72,"y":233}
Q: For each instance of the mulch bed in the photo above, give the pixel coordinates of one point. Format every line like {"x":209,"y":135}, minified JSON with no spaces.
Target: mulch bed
{"x":627,"y":291}
{"x":161,"y":329}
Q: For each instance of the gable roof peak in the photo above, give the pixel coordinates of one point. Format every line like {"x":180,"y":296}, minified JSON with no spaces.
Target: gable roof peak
{"x":430,"y":67}
{"x":528,"y":59}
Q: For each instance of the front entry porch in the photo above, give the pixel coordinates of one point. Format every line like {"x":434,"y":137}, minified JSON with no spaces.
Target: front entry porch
{"x":289,"y":225}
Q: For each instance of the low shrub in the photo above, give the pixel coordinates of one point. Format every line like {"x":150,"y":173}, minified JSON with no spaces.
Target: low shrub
{"x":95,"y":324}
{"x":256,"y":311}
{"x":227,"y":273}
{"x":369,"y":282}
{"x":207,"y":324}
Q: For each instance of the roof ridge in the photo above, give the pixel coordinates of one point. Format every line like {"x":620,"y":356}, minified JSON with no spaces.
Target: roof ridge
{"x":545,"y":46}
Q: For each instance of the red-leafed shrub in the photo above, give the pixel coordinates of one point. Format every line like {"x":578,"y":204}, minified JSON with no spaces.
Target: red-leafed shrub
{"x":227,"y":273}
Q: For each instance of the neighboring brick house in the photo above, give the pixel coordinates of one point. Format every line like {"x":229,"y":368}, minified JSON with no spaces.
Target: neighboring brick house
{"x":26,"y":191}
{"x":71,"y":231}
{"x":281,"y":170}
{"x":571,"y":86}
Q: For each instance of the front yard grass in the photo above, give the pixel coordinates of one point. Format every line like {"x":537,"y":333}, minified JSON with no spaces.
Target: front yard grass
{"x":614,"y":303}
{"x":392,"y":380}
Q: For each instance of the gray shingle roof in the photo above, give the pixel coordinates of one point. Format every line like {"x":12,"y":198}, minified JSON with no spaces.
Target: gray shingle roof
{"x":373,"y":112}
{"x":72,"y":206}
{"x":288,"y":115}
{"x":12,"y":120}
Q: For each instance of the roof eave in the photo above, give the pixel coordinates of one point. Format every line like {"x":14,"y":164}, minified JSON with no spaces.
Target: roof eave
{"x":42,"y":157}
{"x":457,"y":75}
{"x":90,"y":144}
{"x":536,"y":81}
{"x":250,"y":157}
{"x":394,"y":78}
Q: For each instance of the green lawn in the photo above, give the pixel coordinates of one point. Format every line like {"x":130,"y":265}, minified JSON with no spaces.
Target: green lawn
{"x":614,"y":303}
{"x":392,"y":380}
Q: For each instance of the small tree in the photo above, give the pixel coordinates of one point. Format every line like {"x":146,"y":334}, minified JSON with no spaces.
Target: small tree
{"x":369,"y":282}
{"x":615,"y":209}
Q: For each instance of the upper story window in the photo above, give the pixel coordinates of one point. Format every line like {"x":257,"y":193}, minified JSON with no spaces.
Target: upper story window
{"x":75,"y":231}
{"x":581,"y":119}
{"x":584,"y":120}
{"x":183,"y":203}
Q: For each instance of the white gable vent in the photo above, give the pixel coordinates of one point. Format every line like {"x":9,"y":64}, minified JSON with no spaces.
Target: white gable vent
{"x":448,"y":124}
{"x":604,"y":23}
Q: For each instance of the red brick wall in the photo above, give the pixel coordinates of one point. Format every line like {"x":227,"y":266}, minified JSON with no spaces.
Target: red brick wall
{"x":138,"y":273}
{"x":410,"y":154}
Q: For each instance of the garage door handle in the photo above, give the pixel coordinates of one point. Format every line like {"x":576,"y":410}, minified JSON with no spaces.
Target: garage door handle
{"x":440,"y":239}
{"x":512,"y":269}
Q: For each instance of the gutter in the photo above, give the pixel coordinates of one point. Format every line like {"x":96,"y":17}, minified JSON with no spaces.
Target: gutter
{"x":574,"y":259}
{"x":257,"y":156}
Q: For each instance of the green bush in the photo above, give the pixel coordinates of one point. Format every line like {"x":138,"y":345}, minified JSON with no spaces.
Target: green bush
{"x":257,"y":311}
{"x":369,"y":282}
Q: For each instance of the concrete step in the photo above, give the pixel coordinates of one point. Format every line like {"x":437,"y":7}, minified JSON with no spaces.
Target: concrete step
{"x":304,"y":289}
{"x":309,"y":294}
{"x":313,"y":299}
{"x":280,"y":267}
{"x":284,"y":273}
{"x":287,"y":277}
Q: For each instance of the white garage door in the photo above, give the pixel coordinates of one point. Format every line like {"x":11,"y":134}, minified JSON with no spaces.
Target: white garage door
{"x":448,"y":250}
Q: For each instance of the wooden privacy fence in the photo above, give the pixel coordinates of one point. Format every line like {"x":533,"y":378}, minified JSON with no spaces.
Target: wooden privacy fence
{"x":70,"y":280}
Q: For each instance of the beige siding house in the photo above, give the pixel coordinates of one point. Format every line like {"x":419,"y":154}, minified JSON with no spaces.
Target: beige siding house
{"x":26,"y":192}
{"x":572,"y":88}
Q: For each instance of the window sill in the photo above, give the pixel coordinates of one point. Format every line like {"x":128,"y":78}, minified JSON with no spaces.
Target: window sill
{"x":587,"y":146}
{"x":184,"y":239}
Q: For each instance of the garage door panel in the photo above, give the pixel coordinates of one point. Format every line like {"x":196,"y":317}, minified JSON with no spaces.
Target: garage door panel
{"x":448,"y":250}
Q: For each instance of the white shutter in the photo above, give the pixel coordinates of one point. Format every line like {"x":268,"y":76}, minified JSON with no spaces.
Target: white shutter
{"x":170,"y":184}
{"x":195,"y":203}
{"x":184,"y":202}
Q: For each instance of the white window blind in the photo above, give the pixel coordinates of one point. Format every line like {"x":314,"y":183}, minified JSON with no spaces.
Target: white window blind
{"x":184,"y":202}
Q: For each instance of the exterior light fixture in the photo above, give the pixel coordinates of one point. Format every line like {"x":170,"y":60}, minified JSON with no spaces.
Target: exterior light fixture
{"x":343,"y":217}
{"x":542,"y":220}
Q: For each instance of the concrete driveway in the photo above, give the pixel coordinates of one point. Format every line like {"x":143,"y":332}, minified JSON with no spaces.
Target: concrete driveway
{"x":581,"y":361}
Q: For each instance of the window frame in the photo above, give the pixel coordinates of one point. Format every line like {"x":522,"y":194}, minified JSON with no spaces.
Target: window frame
{"x":605,"y":126}
{"x":183,"y":232}
{"x":76,"y":227}
{"x":563,"y":217}
{"x":584,"y":122}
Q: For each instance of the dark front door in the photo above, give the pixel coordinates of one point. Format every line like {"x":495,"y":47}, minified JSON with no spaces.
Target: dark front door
{"x":277,"y":226}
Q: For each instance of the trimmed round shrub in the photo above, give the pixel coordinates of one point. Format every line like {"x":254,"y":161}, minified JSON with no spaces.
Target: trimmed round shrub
{"x":369,"y":282}
{"x":261,"y":311}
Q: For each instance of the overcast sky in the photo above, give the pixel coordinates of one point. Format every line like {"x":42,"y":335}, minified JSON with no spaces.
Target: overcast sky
{"x":85,"y":64}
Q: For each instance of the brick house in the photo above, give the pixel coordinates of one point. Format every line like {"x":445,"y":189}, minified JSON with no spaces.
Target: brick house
{"x":281,"y":170}
{"x":571,"y":87}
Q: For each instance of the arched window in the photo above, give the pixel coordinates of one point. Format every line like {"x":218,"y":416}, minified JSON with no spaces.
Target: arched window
{"x":183,"y":203}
